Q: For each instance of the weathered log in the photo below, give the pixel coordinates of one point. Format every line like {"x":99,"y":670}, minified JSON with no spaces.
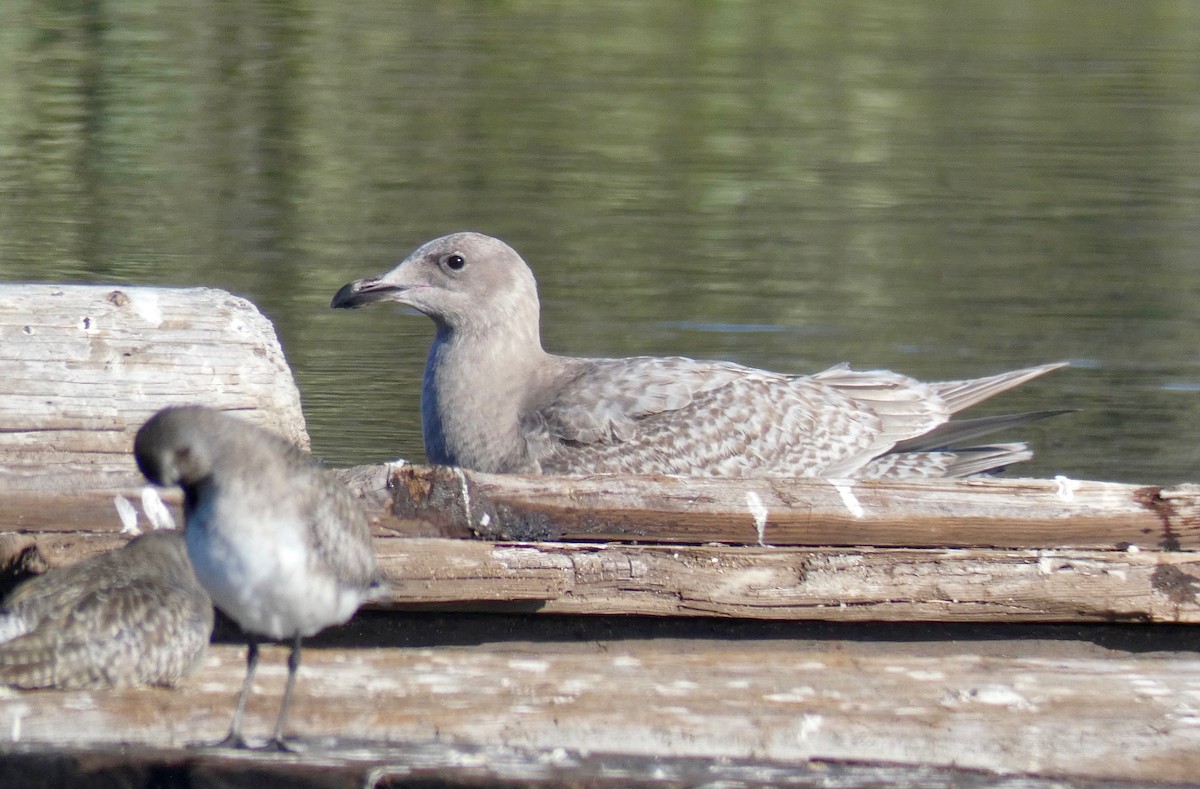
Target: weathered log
{"x":425,"y":764}
{"x":838,"y":584}
{"x":998,"y":513}
{"x":85,"y":365}
{"x":1124,"y":718}
{"x":789,"y":583}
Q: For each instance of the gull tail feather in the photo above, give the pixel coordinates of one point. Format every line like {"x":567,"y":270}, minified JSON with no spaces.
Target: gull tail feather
{"x":959,"y":395}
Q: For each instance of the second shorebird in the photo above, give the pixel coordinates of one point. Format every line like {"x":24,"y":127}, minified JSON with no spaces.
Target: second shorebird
{"x":493,"y":400}
{"x":283,"y":549}
{"x":135,"y":615}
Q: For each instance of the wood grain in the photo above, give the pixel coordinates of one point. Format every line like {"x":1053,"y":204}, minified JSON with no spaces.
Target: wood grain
{"x":789,"y":583}
{"x":1088,"y":718}
{"x":836,"y":584}
{"x":85,"y":365}
{"x":999,"y":513}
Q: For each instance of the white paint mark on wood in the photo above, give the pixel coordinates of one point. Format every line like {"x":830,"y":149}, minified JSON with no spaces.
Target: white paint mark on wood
{"x":759,"y":513}
{"x":144,"y":302}
{"x":845,"y":489}
{"x":390,"y":471}
{"x":1149,"y":687}
{"x":994,"y":696}
{"x":534,"y":666}
{"x":675,"y":689}
{"x":793,"y":696}
{"x":809,"y":725}
{"x":156,"y":512}
{"x":466,"y":493}
{"x":1066,"y":487}
{"x":128,"y":515}
{"x":927,"y":676}
{"x":18,"y":713}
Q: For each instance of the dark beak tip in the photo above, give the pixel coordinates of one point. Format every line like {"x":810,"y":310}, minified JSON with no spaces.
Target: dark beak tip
{"x":344,"y":298}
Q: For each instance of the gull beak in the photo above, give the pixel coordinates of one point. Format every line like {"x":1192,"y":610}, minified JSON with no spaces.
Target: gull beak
{"x":365,"y":291}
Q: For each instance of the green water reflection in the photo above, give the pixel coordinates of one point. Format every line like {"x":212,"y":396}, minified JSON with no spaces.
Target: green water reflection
{"x":942,"y":188}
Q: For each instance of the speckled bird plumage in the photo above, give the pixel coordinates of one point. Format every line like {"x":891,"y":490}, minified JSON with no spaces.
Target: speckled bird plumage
{"x":493,"y":400}
{"x":135,"y":615}
{"x":283,"y":548}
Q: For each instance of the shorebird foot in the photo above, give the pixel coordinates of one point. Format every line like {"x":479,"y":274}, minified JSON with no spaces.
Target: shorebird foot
{"x":280,"y":745}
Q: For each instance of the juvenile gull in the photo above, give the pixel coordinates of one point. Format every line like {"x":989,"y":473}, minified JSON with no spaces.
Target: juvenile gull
{"x":135,"y":615}
{"x":493,"y":400}
{"x":284,"y":549}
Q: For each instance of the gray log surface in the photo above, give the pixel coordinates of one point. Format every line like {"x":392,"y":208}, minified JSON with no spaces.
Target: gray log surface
{"x":84,"y":365}
{"x":989,"y":512}
{"x":1119,"y":717}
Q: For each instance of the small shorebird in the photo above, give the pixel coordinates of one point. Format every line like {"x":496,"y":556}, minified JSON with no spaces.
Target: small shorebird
{"x":135,"y":615}
{"x":284,"y":549}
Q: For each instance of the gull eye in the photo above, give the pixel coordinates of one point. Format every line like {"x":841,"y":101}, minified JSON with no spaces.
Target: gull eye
{"x":455,"y":262}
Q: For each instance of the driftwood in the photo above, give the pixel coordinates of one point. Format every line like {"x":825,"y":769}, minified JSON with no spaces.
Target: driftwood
{"x":770,"y":701}
{"x":83,"y":367}
{"x":427,"y":764}
{"x":1001,"y":513}
{"x":835,"y":583}
{"x":713,"y":680}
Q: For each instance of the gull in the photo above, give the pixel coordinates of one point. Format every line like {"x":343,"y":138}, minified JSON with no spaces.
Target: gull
{"x":493,"y":400}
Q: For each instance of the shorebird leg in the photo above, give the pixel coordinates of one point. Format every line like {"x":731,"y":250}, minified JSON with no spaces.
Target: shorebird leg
{"x":234,"y":739}
{"x":277,"y":742}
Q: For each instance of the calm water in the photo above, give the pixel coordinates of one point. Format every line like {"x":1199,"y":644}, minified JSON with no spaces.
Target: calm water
{"x":939,"y":188}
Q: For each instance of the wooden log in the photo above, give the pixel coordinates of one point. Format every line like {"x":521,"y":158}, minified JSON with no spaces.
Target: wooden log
{"x":787,"y":583}
{"x":770,"y":702}
{"x":838,"y":584}
{"x":85,"y":365}
{"x":998,"y":513}
{"x":425,"y":764}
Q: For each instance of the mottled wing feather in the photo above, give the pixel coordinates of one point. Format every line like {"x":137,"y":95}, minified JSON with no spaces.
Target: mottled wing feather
{"x":946,"y":464}
{"x":143,"y":631}
{"x":43,"y":595}
{"x":906,"y":407}
{"x":679,"y":416}
{"x":340,"y":530}
{"x":959,"y":430}
{"x":606,"y":397}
